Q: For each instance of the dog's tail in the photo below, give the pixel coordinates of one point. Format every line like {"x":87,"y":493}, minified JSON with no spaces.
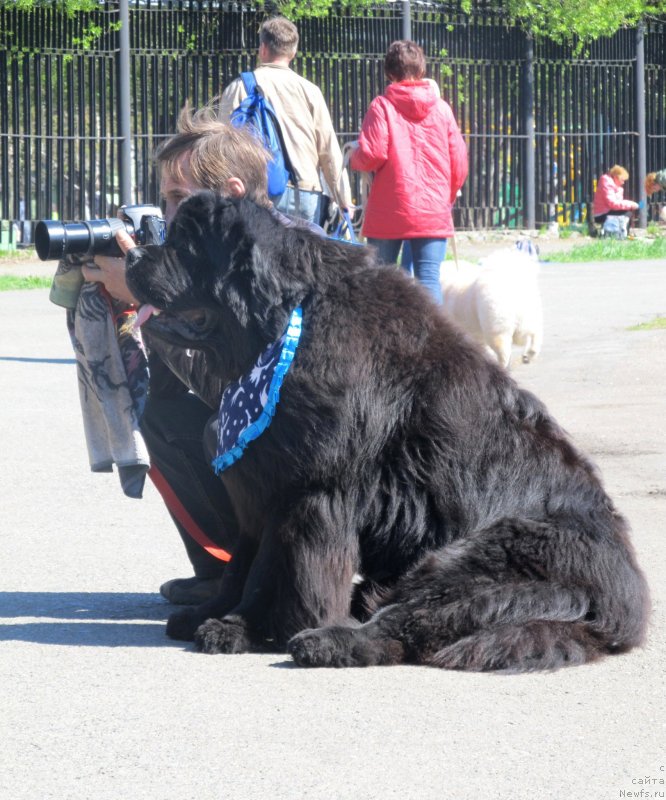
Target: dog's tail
{"x":538,"y":645}
{"x":543,"y":626}
{"x":520,"y":627}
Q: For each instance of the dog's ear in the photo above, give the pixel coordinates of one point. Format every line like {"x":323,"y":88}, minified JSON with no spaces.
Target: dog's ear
{"x":264,"y":280}
{"x":198,"y":232}
{"x":208,"y":237}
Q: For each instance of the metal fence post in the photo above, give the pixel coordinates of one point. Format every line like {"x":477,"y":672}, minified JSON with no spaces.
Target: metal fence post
{"x":406,"y":20}
{"x":124,"y":100}
{"x":529,"y":206}
{"x":640,"y":122}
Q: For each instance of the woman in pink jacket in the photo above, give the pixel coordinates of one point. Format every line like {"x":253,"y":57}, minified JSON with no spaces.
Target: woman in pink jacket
{"x":412,"y":143}
{"x":609,"y":198}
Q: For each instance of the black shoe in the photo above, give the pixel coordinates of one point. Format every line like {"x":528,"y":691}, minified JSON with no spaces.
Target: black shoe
{"x":190,"y":591}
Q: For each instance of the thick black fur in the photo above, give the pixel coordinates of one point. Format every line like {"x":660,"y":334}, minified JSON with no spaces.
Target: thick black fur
{"x":398,"y":451}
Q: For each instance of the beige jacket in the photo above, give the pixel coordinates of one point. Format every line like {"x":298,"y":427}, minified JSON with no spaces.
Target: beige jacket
{"x":306,"y":126}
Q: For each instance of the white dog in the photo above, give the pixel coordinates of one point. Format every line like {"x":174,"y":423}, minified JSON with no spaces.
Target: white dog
{"x":497,"y":301}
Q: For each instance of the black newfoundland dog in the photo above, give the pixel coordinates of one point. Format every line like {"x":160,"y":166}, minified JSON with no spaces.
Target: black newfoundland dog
{"x":398,"y":452}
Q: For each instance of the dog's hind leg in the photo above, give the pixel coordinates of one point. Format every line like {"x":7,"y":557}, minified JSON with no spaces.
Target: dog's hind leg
{"x":532,"y":347}
{"x":500,"y":627}
{"x":501,"y":344}
{"x":371,"y":644}
{"x":517,"y":596}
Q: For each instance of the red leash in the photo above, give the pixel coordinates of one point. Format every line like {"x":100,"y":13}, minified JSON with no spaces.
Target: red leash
{"x":168,"y":495}
{"x":182,"y":515}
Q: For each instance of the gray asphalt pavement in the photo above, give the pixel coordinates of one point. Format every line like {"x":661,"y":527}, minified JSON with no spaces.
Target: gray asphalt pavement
{"x":95,"y":702}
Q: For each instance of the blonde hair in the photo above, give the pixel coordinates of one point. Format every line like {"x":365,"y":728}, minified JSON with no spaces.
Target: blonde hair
{"x":651,"y":185}
{"x":218,"y":151}
{"x":619,"y":172}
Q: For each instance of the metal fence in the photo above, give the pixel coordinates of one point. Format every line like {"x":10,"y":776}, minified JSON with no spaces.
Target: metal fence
{"x":541,"y":122}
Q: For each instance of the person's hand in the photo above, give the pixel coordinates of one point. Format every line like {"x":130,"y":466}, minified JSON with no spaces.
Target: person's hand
{"x":110,"y":271}
{"x":635,"y":206}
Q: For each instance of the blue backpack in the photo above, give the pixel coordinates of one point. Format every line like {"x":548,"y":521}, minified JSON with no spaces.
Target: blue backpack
{"x":256,"y":112}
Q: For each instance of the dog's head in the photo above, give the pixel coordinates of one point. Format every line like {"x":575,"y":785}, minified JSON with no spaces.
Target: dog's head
{"x":227,"y":266}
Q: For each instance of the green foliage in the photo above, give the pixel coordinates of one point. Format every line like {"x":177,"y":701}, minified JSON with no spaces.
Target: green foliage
{"x":301,"y":9}
{"x":88,"y":37}
{"x":70,"y":7}
{"x":447,"y":76}
{"x":565,"y":20}
{"x":190,"y":41}
{"x":445,"y":70}
{"x":562,"y":21}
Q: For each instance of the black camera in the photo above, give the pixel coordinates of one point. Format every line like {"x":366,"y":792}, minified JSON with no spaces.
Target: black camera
{"x":55,"y":240}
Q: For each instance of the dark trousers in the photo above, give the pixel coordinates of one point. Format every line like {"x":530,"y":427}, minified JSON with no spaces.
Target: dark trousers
{"x":179,"y":432}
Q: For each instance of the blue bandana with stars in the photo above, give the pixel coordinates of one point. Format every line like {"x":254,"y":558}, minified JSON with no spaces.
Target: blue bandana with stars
{"x":248,"y":405}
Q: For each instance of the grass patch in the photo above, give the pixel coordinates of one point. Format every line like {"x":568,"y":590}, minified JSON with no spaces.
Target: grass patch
{"x":611,"y":250}
{"x":656,"y":324}
{"x":12,"y":282}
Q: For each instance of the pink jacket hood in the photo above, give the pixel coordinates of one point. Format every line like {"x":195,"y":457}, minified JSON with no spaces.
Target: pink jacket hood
{"x":414,"y":100}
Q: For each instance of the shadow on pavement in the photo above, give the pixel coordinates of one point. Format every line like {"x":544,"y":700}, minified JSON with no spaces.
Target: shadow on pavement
{"x":85,"y":605}
{"x":89,"y":634}
{"x":87,"y":619}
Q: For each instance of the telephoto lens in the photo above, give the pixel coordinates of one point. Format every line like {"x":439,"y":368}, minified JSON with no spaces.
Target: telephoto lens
{"x":55,"y":240}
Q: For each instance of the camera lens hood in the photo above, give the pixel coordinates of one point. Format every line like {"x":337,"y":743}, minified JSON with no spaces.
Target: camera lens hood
{"x":50,"y":239}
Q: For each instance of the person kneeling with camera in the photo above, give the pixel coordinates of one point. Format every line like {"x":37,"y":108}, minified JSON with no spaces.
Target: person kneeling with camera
{"x":205,"y":153}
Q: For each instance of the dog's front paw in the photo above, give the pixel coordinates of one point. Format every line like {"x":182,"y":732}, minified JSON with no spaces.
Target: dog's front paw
{"x":323,"y":647}
{"x":183,"y":624}
{"x":228,"y":635}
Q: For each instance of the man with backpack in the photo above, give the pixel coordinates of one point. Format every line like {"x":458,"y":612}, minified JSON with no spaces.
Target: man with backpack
{"x":310,"y":142}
